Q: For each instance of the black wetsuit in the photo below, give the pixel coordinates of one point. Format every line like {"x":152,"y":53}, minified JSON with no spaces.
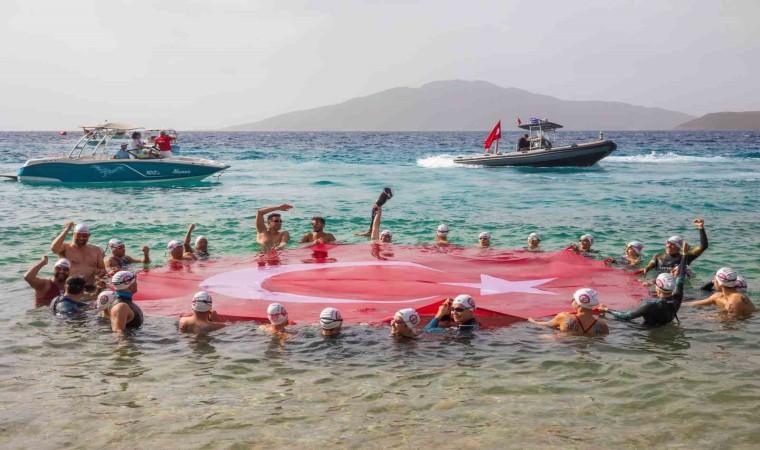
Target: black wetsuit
{"x":664,"y":262}
{"x":658,"y":311}
{"x":65,"y":305}
{"x":137,"y":321}
{"x":523,"y":144}
{"x":470,"y":325}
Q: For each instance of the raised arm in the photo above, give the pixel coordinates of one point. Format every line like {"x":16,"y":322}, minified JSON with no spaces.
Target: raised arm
{"x":188,"y":237}
{"x":57,"y":246}
{"x":375,"y":234}
{"x":260,"y":225}
{"x":31,"y":275}
{"x":703,"y":244}
{"x":146,"y":256}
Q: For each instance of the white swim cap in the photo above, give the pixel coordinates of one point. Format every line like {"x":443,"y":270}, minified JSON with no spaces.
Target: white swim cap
{"x":665,"y":282}
{"x":104,"y":300}
{"x":173,"y":244}
{"x":442,"y":230}
{"x":586,"y":298}
{"x":484,"y":235}
{"x":464,"y":300}
{"x":201,"y":302}
{"x":726,"y":276}
{"x":200,"y":238}
{"x":534,"y":237}
{"x":676,"y":240}
{"x":637,"y":246}
{"x":122,"y":280}
{"x":82,"y":228}
{"x":386,"y":233}
{"x":590,"y":238}
{"x":410,"y":317}
{"x":277,"y":314}
{"x":115,"y":243}
{"x":741,"y":283}
{"x":330,"y":318}
{"x":63,"y":262}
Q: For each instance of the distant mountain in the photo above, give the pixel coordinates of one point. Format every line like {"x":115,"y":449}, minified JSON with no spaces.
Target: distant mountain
{"x":465,"y":106}
{"x":749,"y":120}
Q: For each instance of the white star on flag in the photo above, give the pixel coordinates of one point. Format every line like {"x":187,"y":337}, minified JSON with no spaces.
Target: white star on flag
{"x":491,"y":286}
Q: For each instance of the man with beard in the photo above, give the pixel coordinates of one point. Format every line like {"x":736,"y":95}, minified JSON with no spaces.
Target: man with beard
{"x":86,"y":259}
{"x":318,"y":235}
{"x":119,"y":260}
{"x":45,"y":290}
{"x":270,"y":236}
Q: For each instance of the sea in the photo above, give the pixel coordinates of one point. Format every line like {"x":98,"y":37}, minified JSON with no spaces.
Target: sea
{"x":693,"y":384}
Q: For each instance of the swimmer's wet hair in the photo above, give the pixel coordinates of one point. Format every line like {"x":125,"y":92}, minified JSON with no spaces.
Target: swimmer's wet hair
{"x":272,"y":216}
{"x":319,"y":219}
{"x":75,"y":284}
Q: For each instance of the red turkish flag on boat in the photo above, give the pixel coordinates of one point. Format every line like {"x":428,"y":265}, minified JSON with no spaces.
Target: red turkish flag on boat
{"x":494,"y":136}
{"x":519,"y":122}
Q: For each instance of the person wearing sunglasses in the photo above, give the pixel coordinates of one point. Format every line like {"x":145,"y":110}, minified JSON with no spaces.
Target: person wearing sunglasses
{"x":203,"y":319}
{"x":581,"y":321}
{"x":534,"y":242}
{"x":442,"y":235}
{"x":269,"y":235}
{"x":583,"y":247}
{"x":405,"y":323}
{"x":461,"y":311}
{"x":631,"y":258}
{"x":331,"y":322}
{"x":119,"y":260}
{"x":46,"y":289}
{"x":484,"y":239}
{"x":318,"y":234}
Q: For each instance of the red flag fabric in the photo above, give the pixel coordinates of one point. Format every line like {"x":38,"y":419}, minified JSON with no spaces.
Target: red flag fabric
{"x":511,"y":285}
{"x":494,"y":136}
{"x":519,"y":122}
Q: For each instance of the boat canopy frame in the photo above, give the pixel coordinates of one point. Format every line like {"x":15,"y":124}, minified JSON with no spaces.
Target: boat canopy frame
{"x":101,"y":133}
{"x":540,"y":133}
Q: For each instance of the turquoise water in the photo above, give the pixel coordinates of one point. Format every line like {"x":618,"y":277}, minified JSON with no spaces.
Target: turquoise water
{"x":691,"y":385}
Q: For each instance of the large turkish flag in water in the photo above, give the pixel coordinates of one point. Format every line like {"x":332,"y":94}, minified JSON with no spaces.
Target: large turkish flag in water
{"x":369,"y":283}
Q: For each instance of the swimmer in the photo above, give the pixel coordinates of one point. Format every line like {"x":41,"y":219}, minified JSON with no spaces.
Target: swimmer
{"x":583,"y":320}
{"x":728,"y":296}
{"x":534,"y":242}
{"x":442,"y":235}
{"x":201,"y":244}
{"x":741,"y":284}
{"x":45,"y":290}
{"x":583,"y":247}
{"x":85,"y":259}
{"x":124,"y":314}
{"x":318,"y":235}
{"x":269,"y":236}
{"x":462,"y":312}
{"x":484,"y":239}
{"x":278,"y":319}
{"x":119,"y":260}
{"x":70,"y":302}
{"x":386,"y":236}
{"x":663,"y":308}
{"x":331,"y":321}
{"x":631,"y":257}
{"x":204,"y":318}
{"x":405,"y":323}
{"x":665,"y":262}
{"x":103,"y":303}
{"x":177,"y":253}
{"x":386,"y":195}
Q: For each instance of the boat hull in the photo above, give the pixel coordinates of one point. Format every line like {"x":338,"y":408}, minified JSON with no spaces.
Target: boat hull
{"x":90,"y":170}
{"x":576,"y":155}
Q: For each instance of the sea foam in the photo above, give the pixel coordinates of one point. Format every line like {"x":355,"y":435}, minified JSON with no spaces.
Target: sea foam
{"x":437,"y":161}
{"x":669,"y":157}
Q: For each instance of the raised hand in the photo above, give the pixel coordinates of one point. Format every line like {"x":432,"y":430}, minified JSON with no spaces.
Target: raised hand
{"x":699,"y":222}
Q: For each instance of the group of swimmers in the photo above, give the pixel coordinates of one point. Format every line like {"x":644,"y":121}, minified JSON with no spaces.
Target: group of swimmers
{"x":83,"y":272}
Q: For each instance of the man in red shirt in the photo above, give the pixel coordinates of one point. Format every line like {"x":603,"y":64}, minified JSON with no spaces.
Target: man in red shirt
{"x":164,"y":143}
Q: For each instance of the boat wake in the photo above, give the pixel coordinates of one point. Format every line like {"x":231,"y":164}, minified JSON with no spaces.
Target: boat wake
{"x":437,"y":161}
{"x":669,"y":157}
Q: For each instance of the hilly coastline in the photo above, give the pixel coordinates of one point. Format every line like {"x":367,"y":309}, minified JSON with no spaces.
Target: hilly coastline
{"x":465,"y":106}
{"x":748,"y":120}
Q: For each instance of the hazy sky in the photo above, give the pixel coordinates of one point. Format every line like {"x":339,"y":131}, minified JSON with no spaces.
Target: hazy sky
{"x":212,"y":63}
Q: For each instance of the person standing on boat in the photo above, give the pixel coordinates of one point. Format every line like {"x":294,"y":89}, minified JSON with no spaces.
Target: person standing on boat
{"x":270,"y":236}
{"x":164,"y":144}
{"x":524,"y":143}
{"x":665,"y":262}
{"x":86,"y":259}
{"x":45,"y":290}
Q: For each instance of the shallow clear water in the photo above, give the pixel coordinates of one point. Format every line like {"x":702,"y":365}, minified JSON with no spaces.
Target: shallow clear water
{"x":696,"y":384}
